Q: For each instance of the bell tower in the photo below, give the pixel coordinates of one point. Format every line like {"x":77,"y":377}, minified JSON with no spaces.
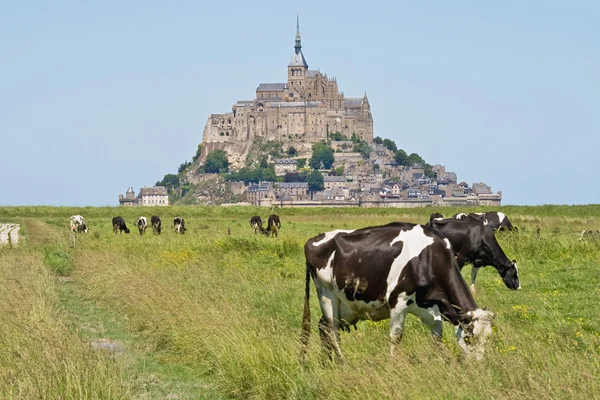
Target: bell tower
{"x":297,"y":68}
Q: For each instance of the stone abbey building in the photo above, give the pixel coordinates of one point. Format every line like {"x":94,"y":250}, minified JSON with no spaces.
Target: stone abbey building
{"x":304,"y":109}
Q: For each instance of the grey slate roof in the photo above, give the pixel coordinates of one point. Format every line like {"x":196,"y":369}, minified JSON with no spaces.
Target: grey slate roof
{"x":353,"y":102}
{"x":271,"y":87}
{"x":286,"y":161}
{"x":290,"y":185}
{"x":298,"y":60}
{"x":312,"y":73}
{"x":328,"y":178}
{"x":294,"y":104}
{"x":151,"y":191}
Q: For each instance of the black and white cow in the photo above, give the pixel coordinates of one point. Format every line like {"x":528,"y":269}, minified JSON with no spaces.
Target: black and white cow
{"x":495,"y":219}
{"x":142,"y":224}
{"x":474,"y":242}
{"x":119,"y":225}
{"x":436,"y":216}
{"x":256,"y":223}
{"x":590,"y":234}
{"x":179,"y":225}
{"x":273,"y":226}
{"x":386,"y":272}
{"x":77,"y":224}
{"x":156,"y":224}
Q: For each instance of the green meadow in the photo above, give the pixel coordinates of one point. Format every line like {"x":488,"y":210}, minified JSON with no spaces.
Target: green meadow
{"x":207,"y":315}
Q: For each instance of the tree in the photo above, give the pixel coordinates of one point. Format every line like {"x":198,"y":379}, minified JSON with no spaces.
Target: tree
{"x":354,"y":137}
{"x":294,"y":177}
{"x":216,"y":162}
{"x":390,"y":144}
{"x":170,"y":181}
{"x":428,"y":171}
{"x":414,"y":158}
{"x":183,"y":166}
{"x":378,"y":140}
{"x":363,"y":148}
{"x":315,"y":181}
{"x":292,"y":152}
{"x":322,"y":154}
{"x":198,"y":153}
{"x":337,"y":137}
{"x":401,"y":157}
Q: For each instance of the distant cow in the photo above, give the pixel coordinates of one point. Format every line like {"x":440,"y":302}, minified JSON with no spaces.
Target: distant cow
{"x":179,"y":225}
{"x":386,"y":272}
{"x":77,"y":224}
{"x":590,"y":234}
{"x":474,"y":242}
{"x":256,"y":223}
{"x":274,"y":224}
{"x":156,"y":224}
{"x":119,"y":225}
{"x":142,"y":224}
{"x":495,"y":219}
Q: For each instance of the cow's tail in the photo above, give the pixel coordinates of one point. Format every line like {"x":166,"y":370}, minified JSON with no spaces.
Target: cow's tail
{"x":304,"y":336}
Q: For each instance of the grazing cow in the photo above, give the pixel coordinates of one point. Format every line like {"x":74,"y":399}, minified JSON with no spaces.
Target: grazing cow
{"x":119,"y":225}
{"x":156,"y":224}
{"x":77,"y":224}
{"x":590,"y":234}
{"x":495,"y":219}
{"x":386,"y":272}
{"x":256,"y":223}
{"x":274,"y":224}
{"x":179,"y":225}
{"x":142,"y":224}
{"x":474,"y":242}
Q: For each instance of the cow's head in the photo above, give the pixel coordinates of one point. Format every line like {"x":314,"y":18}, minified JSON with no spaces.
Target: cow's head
{"x":436,"y":216}
{"x":127,"y":230}
{"x":82,"y":228}
{"x":474,"y":328}
{"x":510,"y":276}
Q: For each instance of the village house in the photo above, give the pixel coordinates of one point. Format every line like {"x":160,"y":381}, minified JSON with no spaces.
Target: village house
{"x":291,"y":190}
{"x":331,"y":182}
{"x":260,"y":191}
{"x":285,"y":165}
{"x":148,"y":196}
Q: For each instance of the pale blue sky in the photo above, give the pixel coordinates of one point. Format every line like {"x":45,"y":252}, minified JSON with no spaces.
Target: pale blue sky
{"x":97,"y":97}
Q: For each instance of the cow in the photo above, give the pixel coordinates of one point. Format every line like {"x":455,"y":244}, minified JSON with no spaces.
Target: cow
{"x":474,"y":242}
{"x":179,"y":225}
{"x":142,"y":224}
{"x":436,"y":216}
{"x":589,"y":234}
{"x":385,"y":272}
{"x":156,"y":224}
{"x":273,"y":226}
{"x":77,"y":224}
{"x":256,"y":223}
{"x":119,"y":225}
{"x":495,"y":219}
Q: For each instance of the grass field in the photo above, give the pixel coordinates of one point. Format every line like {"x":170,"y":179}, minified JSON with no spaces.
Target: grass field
{"x":204,"y":315}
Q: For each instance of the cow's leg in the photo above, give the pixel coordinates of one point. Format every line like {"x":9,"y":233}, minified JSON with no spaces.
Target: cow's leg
{"x":474,"y":272}
{"x":431,"y":317}
{"x":397,"y":317}
{"x":330,"y":308}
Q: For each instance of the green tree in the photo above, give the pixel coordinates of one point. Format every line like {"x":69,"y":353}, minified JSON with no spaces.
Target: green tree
{"x":216,"y":162}
{"x":401,"y":157}
{"x":337,"y":137}
{"x":321,"y":153}
{"x":183,"y":166}
{"x":378,"y":140}
{"x":315,"y":181}
{"x":198,"y":153}
{"x":414,"y":158}
{"x":390,"y":144}
{"x":170,"y":181}
{"x":292,"y":152}
{"x":268,"y":174}
{"x":363,"y":148}
{"x":301,"y":162}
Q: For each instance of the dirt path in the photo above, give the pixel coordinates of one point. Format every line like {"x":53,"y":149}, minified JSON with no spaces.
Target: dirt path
{"x":13,"y":230}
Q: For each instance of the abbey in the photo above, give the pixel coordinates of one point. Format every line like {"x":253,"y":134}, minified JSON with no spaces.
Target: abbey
{"x":304,"y":109}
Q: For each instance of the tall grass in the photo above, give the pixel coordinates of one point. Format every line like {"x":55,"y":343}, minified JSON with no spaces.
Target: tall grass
{"x":228,"y":309}
{"x":40,"y":358}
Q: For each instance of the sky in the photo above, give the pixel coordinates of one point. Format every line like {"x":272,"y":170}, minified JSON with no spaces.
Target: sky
{"x":99,"y":96}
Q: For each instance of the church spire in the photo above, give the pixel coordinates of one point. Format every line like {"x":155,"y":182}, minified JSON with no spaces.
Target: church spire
{"x":298,"y":45}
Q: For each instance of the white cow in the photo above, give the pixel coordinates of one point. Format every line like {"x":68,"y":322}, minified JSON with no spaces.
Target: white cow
{"x":77,"y":224}
{"x":142,"y":224}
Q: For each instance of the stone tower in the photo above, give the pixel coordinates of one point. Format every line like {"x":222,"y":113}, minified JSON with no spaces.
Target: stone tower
{"x":297,"y":68}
